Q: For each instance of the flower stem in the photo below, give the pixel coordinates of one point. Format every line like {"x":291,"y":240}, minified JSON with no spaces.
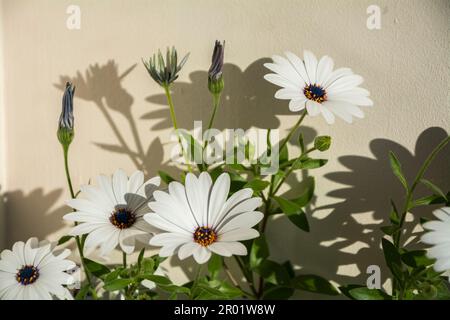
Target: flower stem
{"x":197,"y":276}
{"x":216,"y":102}
{"x":72,"y":194}
{"x":124,"y":259}
{"x":174,"y":122}
{"x":293,"y":130}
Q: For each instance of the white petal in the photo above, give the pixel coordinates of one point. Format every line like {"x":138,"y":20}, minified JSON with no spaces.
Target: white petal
{"x":310,"y":65}
{"x":80,"y":216}
{"x":110,"y":243}
{"x":235,"y":248}
{"x":86,"y":227}
{"x":84,"y":205}
{"x":201,"y":254}
{"x":18,"y":249}
{"x":96,"y":237}
{"x":313,"y":107}
{"x":159,"y":222}
{"x":440,"y":251}
{"x":329,"y":117}
{"x":437,"y":225}
{"x":337,"y":74}
{"x":135,"y":182}
{"x":287,"y":71}
{"x":436,"y":237}
{"x":280,"y":81}
{"x":242,"y":221}
{"x":324,"y":69}
{"x":442,"y":265}
{"x":239,"y":235}
{"x":127,"y":240}
{"x":238,"y":203}
{"x":120,"y":184}
{"x":299,"y":66}
{"x":187,"y":250}
{"x":198,"y":200}
{"x":219,"y":195}
{"x":442,"y":213}
{"x":99,"y":196}
{"x":105,"y":185}
{"x":169,"y":238}
{"x":297,"y":104}
{"x":345,"y":83}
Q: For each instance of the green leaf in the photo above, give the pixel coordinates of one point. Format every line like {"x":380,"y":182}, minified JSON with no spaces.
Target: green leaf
{"x":194,"y":149}
{"x":140,"y":257}
{"x":392,"y":257}
{"x":215,"y":265}
{"x":257,"y":185}
{"x":313,"y":283}
{"x":394,"y":217}
{"x":294,"y":212}
{"x":397,"y":169}
{"x":416,"y":259}
{"x":307,"y":194}
{"x":322,"y":143}
{"x":64,"y":239}
{"x":113,"y":275}
{"x":259,"y":252}
{"x":81,"y":295}
{"x":117,"y":284}
{"x":97,"y":269}
{"x":230,"y":291}
{"x":364,"y":293}
{"x":284,"y":155}
{"x":148,"y":265}
{"x":165,"y":177}
{"x":434,"y":188}
{"x":433,"y":199}
{"x":273,"y":292}
{"x":389,"y":230}
{"x":308,"y":163}
{"x":273,"y":272}
{"x":159,"y":280}
{"x":212,"y":292}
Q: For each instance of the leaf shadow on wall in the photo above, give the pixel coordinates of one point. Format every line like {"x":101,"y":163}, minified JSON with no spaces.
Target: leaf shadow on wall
{"x":34,"y":212}
{"x":341,"y":239}
{"x":102,"y":85}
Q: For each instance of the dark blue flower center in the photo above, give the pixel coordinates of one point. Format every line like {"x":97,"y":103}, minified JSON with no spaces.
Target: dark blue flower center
{"x":122,"y":218}
{"x":27,"y":275}
{"x":315,"y":92}
{"x":205,"y":236}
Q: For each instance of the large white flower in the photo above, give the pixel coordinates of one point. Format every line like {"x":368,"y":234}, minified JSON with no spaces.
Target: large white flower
{"x":33,"y":271}
{"x":111,"y":213}
{"x":439,"y":237}
{"x":313,"y":84}
{"x":198,"y":218}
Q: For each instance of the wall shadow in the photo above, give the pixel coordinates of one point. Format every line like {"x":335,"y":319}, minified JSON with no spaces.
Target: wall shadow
{"x":367,"y":185}
{"x":247,"y":100}
{"x":35,"y":212}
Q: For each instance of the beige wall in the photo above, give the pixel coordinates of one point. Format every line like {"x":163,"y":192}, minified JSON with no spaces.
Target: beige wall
{"x":405,"y":64}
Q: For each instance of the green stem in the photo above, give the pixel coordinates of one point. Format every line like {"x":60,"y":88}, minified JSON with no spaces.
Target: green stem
{"x":296,"y":126}
{"x":72,"y":194}
{"x":216,"y":101}
{"x":124,"y":259}
{"x":195,"y":283}
{"x":416,"y":181}
{"x":409,"y":196}
{"x":247,"y":276}
{"x":174,"y":121}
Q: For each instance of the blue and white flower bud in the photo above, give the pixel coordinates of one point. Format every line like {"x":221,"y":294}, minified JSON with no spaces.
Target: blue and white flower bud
{"x":66,"y":119}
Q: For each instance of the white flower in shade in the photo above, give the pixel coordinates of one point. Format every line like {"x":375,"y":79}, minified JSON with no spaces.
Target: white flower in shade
{"x":439,"y":237}
{"x":112,"y":213}
{"x":313,"y":84}
{"x":199,"y":219}
{"x":33,"y":271}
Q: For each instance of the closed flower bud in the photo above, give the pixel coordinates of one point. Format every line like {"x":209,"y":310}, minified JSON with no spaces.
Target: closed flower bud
{"x":322,"y":143}
{"x":215,"y":75}
{"x":66,"y":120}
{"x":164,"y":72}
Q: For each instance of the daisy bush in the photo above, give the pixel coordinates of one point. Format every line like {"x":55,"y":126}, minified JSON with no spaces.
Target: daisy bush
{"x":214,"y":214}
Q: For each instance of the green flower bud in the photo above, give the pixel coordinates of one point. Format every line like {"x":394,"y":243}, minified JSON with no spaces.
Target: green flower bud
{"x":164,"y":72}
{"x":66,"y":120}
{"x":322,"y":143}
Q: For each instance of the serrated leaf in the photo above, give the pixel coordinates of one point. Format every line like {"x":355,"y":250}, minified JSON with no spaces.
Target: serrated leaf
{"x":397,"y":169}
{"x":313,"y":283}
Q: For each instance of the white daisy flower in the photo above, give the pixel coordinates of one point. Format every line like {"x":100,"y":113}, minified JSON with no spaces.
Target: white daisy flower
{"x":439,"y":237}
{"x":313,"y":84}
{"x":33,"y":271}
{"x":199,"y":219}
{"x":111,"y":213}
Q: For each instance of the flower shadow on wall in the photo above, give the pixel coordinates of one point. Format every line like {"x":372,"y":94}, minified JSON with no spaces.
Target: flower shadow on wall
{"x":341,"y":238}
{"x":34,"y":212}
{"x":102,"y":85}
{"x":247,"y":100}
